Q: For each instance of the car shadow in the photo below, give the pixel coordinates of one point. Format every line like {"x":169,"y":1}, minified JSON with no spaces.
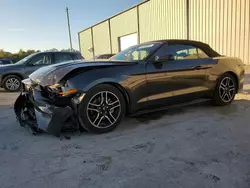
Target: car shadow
{"x":155,"y":119}
{"x":146,"y":119}
{"x":246,"y":89}
{"x":204,"y":109}
{"x":130,"y":123}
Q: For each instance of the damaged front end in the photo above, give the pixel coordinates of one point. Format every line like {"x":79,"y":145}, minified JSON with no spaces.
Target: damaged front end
{"x":43,"y":109}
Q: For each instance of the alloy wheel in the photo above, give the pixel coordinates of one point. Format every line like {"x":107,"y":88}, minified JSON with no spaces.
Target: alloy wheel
{"x":103,"y":109}
{"x":227,"y":89}
{"x":12,"y":84}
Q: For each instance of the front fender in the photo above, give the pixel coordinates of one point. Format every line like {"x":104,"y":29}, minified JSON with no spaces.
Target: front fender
{"x":120,"y":83}
{"x":99,"y":81}
{"x":88,"y":79}
{"x":131,"y":81}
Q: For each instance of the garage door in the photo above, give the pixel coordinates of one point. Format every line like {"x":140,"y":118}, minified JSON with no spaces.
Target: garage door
{"x":127,"y":41}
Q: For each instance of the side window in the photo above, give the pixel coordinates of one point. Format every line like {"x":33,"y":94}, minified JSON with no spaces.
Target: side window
{"x":139,"y":54}
{"x":188,"y":52}
{"x":75,"y":57}
{"x":202,"y":54}
{"x":181,"y":52}
{"x":61,"y":57}
{"x":43,"y":59}
{"x":101,"y":57}
{"x":106,"y":57}
{"x":6,"y":62}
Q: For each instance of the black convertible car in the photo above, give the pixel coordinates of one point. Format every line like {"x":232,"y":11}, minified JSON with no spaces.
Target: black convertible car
{"x":143,"y":78}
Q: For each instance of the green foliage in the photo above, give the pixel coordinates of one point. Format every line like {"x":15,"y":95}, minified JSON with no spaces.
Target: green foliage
{"x":63,"y":50}
{"x":16,"y":56}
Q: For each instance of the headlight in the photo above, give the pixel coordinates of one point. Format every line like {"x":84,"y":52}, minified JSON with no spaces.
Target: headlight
{"x":62,"y":89}
{"x":68,"y":92}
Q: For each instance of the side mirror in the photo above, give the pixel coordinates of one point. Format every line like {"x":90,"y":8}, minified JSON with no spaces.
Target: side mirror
{"x":30,"y":64}
{"x":164,"y":58}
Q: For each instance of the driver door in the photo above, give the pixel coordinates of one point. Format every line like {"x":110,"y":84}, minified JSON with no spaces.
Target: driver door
{"x":37,"y":62}
{"x":176,"y":80}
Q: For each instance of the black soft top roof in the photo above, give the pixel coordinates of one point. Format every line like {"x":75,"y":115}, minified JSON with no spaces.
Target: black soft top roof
{"x":205,"y":47}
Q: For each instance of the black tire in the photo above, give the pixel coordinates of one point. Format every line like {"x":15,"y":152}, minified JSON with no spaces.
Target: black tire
{"x":15,"y":87}
{"x":87,"y":117}
{"x":219,"y":92}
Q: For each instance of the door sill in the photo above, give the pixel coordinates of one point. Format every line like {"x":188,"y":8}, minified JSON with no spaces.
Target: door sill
{"x":146,"y":111}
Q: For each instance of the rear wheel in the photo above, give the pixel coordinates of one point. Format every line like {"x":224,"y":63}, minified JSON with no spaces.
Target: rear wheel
{"x":12,"y":83}
{"x":225,"y":90}
{"x":102,"y":109}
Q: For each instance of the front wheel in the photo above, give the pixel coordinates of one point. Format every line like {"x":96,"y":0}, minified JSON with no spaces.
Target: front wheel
{"x":102,"y":109}
{"x":225,"y":90}
{"x":12,"y":83}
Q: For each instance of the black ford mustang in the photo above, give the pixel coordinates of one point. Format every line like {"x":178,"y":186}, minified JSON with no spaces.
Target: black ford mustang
{"x":96,"y":95}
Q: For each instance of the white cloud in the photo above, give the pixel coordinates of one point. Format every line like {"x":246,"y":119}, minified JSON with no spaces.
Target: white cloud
{"x":16,"y":29}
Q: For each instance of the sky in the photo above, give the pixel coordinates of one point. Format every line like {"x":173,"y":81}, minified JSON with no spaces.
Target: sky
{"x":42,"y":24}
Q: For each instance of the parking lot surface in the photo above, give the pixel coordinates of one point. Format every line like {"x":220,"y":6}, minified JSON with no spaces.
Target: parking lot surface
{"x":200,"y":146}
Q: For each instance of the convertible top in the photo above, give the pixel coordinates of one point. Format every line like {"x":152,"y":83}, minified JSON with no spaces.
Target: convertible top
{"x":205,"y":47}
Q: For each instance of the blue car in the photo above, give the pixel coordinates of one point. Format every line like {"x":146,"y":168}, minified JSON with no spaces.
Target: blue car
{"x":11,"y":75}
{"x":5,"y":62}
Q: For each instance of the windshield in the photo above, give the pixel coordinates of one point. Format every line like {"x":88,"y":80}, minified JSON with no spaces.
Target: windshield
{"x":22,"y":61}
{"x":136,"y":53}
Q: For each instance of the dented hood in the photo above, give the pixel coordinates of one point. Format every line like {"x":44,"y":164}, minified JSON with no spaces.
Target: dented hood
{"x":52,"y":74}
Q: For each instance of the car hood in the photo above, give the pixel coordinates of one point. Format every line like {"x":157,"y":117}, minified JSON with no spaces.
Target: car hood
{"x":52,"y":74}
{"x":9,"y":66}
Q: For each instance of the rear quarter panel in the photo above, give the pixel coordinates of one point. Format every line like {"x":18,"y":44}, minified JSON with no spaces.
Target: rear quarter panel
{"x":223,"y":65}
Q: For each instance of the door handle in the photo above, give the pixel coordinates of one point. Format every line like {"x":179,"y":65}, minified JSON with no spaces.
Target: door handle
{"x":197,"y":67}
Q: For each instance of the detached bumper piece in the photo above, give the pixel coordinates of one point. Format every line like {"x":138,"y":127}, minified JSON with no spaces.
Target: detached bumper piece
{"x":40,"y":115}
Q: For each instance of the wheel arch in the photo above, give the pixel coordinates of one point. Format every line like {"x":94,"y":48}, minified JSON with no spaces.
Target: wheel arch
{"x":236,"y":78}
{"x":11,"y":74}
{"x":123,"y":91}
{"x":217,"y":99}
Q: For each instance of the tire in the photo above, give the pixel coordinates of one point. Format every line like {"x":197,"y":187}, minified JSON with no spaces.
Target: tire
{"x":98,"y":115}
{"x":225,"y":90}
{"x":12,"y":83}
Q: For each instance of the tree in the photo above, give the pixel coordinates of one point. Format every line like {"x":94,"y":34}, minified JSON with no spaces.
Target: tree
{"x":22,"y":54}
{"x":15,"y":56}
{"x":52,"y":50}
{"x":69,"y":50}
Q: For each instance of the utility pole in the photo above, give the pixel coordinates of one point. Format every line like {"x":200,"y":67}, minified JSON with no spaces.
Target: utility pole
{"x":70,"y":41}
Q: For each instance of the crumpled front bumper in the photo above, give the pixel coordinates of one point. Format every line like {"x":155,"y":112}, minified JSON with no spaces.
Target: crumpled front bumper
{"x":47,"y":117}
